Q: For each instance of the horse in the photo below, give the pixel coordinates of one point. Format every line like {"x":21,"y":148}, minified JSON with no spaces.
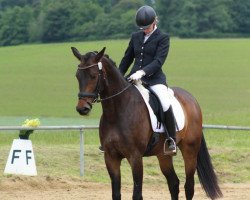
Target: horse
{"x":125,"y":129}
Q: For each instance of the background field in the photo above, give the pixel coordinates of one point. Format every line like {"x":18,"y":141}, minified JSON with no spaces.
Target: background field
{"x":38,"y":81}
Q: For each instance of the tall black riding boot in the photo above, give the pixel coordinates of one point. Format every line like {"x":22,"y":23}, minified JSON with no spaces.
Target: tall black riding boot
{"x":170,"y":125}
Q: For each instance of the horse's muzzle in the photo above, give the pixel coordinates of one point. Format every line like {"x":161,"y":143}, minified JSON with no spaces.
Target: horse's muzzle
{"x":84,"y":109}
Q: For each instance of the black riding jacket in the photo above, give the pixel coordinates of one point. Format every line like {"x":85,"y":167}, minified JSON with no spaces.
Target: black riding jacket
{"x":149,"y":56}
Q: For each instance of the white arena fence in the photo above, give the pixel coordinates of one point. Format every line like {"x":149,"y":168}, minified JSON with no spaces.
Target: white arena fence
{"x":82,"y":128}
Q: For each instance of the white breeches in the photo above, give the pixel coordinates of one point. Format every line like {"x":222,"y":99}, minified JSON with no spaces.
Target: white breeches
{"x":163,"y":94}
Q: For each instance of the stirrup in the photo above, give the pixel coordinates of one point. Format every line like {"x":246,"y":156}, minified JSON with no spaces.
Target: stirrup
{"x":101,"y":149}
{"x":170,"y":151}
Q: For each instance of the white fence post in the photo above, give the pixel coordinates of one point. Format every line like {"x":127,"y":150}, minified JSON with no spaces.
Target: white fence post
{"x":81,"y":152}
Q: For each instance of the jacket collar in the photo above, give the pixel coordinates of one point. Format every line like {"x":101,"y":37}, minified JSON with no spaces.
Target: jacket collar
{"x":154,"y":34}
{"x":149,"y":34}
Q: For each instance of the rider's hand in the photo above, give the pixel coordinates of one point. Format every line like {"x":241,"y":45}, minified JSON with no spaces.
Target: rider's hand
{"x":137,"y":75}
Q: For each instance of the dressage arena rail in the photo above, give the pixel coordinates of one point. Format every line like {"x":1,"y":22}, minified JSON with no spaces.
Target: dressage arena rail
{"x":81,"y":128}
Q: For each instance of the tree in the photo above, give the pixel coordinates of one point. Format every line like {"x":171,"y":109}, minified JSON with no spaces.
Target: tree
{"x":170,"y":13}
{"x":240,"y":12}
{"x":213,"y":17}
{"x":195,"y":18}
{"x":84,"y":17}
{"x":67,"y":20}
{"x":15,"y":25}
{"x":58,"y":22}
{"x":4,"y":4}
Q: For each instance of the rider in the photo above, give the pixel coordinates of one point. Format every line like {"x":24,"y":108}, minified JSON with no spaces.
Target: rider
{"x":148,"y":48}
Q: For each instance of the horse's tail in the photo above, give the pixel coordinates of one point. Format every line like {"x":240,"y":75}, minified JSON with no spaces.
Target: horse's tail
{"x":206,"y":173}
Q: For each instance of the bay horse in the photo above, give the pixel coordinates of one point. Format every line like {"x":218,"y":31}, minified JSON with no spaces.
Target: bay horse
{"x":125,"y":129}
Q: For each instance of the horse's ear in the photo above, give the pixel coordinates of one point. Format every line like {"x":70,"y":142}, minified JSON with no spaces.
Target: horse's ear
{"x":76,"y":53}
{"x":100,"y":55}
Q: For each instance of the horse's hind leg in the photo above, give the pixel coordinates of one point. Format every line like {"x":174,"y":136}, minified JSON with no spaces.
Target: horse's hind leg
{"x":113,"y":166}
{"x":167,"y":168}
{"x":189,"y":153}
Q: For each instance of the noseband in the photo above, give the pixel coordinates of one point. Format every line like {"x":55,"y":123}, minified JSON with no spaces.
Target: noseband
{"x":96,"y":93}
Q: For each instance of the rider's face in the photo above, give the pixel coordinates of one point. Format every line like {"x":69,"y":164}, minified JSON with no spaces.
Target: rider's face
{"x":149,"y":29}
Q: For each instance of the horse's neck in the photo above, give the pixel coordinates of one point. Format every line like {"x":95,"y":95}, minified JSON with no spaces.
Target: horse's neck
{"x":114,"y":83}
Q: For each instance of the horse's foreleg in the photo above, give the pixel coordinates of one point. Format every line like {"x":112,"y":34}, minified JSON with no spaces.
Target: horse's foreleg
{"x":137,"y":171}
{"x":113,"y":166}
{"x":167,"y":168}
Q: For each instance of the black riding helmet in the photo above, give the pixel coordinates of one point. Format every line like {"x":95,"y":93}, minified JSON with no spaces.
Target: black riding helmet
{"x":145,"y":16}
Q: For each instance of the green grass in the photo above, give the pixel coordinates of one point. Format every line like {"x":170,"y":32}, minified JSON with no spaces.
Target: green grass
{"x":57,"y":154}
{"x":39,"y":80}
{"x":216,"y":72}
{"x":48,"y":121}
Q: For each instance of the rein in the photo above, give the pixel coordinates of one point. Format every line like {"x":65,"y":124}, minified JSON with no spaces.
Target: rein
{"x":96,"y":94}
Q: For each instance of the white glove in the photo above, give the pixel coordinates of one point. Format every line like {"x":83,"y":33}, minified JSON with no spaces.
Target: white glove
{"x":137,"y":75}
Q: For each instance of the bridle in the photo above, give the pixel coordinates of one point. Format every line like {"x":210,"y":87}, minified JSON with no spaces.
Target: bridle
{"x":96,"y":93}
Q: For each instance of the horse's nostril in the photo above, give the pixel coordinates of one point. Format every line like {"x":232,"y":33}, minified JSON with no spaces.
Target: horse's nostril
{"x":83,"y":111}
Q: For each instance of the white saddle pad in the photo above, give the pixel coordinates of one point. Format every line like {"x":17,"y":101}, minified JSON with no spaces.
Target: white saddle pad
{"x":177,"y":110}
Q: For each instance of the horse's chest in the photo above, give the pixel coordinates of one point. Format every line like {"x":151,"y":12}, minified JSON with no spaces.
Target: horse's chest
{"x":111,"y":134}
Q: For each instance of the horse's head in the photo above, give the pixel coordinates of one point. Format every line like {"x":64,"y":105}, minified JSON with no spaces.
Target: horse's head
{"x":88,"y":74}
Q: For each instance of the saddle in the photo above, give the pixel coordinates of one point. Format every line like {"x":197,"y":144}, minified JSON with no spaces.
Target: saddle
{"x":157,"y":115}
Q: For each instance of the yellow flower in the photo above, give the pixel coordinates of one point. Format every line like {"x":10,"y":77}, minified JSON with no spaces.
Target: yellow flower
{"x":31,"y":123}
